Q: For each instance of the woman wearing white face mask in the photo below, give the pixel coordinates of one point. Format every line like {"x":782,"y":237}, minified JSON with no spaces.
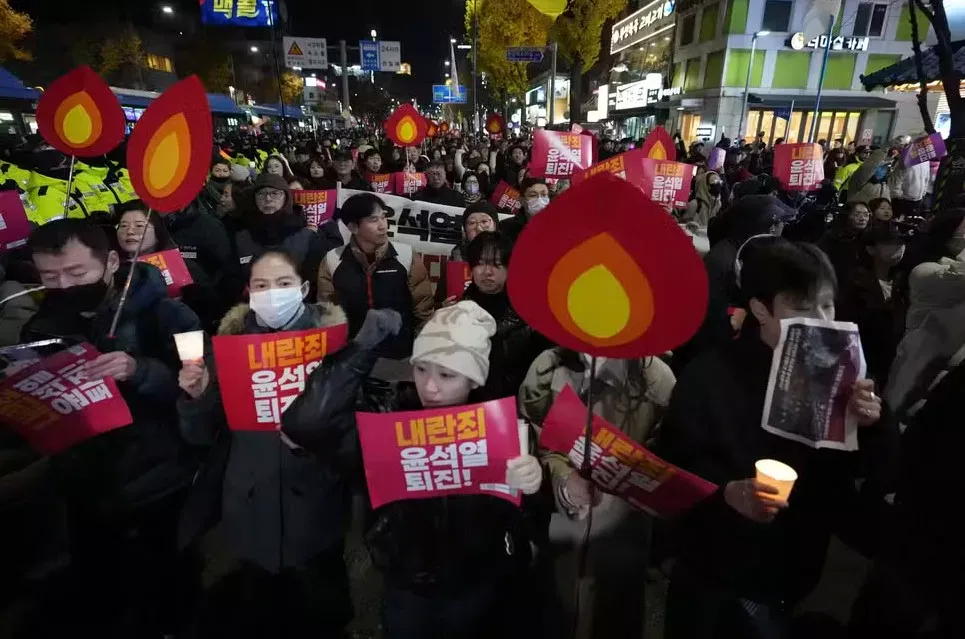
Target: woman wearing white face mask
{"x":535,"y":196}
{"x":453,"y":566}
{"x":282,"y":510}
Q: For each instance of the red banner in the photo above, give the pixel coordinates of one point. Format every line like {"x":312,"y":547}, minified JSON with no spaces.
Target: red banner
{"x":560,"y":154}
{"x":173,"y":269}
{"x":53,"y":405}
{"x":261,"y":375}
{"x":628,"y":166}
{"x":506,"y":197}
{"x":408,"y":183}
{"x":458,"y":450}
{"x":799,"y":166}
{"x":317,"y":206}
{"x":667,"y":182}
{"x":381,"y":182}
{"x":458,"y":276}
{"x":619,"y":465}
{"x":14,"y":225}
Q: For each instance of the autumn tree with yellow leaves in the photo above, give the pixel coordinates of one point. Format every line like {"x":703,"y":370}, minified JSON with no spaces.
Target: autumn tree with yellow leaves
{"x":502,"y":24}
{"x":579,"y":35}
{"x":14,"y":27}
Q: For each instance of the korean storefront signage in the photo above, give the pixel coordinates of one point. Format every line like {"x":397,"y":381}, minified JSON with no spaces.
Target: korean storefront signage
{"x":635,"y":95}
{"x":839,"y":43}
{"x":650,"y":20}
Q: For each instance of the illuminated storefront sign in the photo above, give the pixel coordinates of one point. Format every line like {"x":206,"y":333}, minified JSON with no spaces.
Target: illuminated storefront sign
{"x":636,"y":95}
{"x":839,"y":43}
{"x":652,"y":19}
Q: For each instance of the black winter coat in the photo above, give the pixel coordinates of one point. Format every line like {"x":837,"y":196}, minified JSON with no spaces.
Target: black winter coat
{"x":445,"y":195}
{"x":203,"y":239}
{"x":147,"y":460}
{"x":713,"y":429}
{"x":279,"y":505}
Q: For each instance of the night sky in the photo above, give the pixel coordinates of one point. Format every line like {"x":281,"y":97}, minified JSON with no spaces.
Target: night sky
{"x":423,"y":27}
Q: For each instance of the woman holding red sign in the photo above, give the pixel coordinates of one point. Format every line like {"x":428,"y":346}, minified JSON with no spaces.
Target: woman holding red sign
{"x":282,"y":510}
{"x":454,"y":566}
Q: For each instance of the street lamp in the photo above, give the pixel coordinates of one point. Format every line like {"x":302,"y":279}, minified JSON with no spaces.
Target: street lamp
{"x":254,"y":49}
{"x":747,"y":82}
{"x":374,"y":34}
{"x":446,"y":63}
{"x":168,"y":9}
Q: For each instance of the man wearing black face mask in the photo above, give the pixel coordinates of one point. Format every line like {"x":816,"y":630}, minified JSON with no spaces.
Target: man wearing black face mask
{"x":124,"y":490}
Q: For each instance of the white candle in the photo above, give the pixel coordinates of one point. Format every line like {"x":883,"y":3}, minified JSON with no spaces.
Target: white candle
{"x":190,"y":346}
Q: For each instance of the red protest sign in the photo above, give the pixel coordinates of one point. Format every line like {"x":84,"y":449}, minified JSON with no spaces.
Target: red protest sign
{"x":381,"y":182}
{"x":560,"y":154}
{"x":408,"y":183}
{"x":458,"y":276}
{"x":53,"y":405}
{"x":619,"y":465}
{"x":317,"y":206}
{"x":799,"y":166}
{"x":172,"y":267}
{"x":14,"y":225}
{"x":628,"y":166}
{"x":506,"y":197}
{"x":458,"y":450}
{"x":667,"y":182}
{"x":261,"y":375}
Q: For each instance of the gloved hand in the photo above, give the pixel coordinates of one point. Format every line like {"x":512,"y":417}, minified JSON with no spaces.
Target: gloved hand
{"x":379,"y":323}
{"x":524,"y":473}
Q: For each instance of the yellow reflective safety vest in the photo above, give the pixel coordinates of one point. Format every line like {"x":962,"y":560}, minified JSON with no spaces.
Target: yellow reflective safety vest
{"x":10,"y":171}
{"x":48,"y":204}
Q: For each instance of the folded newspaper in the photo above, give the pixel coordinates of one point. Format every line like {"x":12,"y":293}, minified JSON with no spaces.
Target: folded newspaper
{"x":815,"y":365}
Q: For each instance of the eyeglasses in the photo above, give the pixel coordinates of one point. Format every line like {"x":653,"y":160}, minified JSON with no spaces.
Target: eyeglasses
{"x":127,"y":226}
{"x":269,"y":194}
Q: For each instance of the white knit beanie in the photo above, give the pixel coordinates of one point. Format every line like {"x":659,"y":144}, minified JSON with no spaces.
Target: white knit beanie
{"x":457,"y":337}
{"x":239,"y":173}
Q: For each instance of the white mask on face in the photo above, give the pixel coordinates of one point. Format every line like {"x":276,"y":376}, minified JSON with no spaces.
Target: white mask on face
{"x":536,"y":204}
{"x":276,"y":307}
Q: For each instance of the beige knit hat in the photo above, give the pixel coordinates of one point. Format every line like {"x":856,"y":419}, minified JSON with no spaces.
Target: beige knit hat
{"x":457,"y":337}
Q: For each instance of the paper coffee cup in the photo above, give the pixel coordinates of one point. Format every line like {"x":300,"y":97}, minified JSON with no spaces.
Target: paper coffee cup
{"x":190,"y":346}
{"x":777,"y":475}
{"x":523,"y":437}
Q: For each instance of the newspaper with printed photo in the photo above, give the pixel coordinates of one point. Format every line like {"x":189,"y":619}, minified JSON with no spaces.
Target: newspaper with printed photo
{"x":814,"y":367}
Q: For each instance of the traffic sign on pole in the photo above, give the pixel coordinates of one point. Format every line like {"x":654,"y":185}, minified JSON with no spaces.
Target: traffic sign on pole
{"x":307,"y":53}
{"x":524,"y":54}
{"x":369,"y":50}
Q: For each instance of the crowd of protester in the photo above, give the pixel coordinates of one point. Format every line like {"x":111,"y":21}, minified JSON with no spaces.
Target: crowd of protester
{"x":115,"y":537}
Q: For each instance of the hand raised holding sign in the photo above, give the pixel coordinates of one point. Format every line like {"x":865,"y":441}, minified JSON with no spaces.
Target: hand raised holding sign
{"x":117,"y":365}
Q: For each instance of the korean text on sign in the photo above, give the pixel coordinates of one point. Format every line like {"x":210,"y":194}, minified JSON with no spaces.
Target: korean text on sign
{"x":619,"y":465}
{"x":261,"y":375}
{"x":431,"y":453}
{"x":558,"y":154}
{"x":173,"y":269}
{"x":925,"y":149}
{"x":799,"y":166}
{"x":628,"y":166}
{"x":666,"y":182}
{"x":408,"y":183}
{"x":317,"y":206}
{"x":458,"y":277}
{"x":506,"y":198}
{"x":381,"y":182}
{"x":54,"y":405}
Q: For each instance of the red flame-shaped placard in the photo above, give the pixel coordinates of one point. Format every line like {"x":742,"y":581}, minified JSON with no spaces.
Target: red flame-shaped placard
{"x":605,"y":271}
{"x":659,"y":145}
{"x":406,"y":126}
{"x":443,"y":127}
{"x":432,"y":129}
{"x":79,"y":115}
{"x":169,"y":153}
{"x":495,"y":124}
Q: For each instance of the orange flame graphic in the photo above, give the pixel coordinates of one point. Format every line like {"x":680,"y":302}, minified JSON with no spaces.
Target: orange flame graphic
{"x":406,"y":126}
{"x":605,"y":271}
{"x":169,"y":152}
{"x":79,"y":115}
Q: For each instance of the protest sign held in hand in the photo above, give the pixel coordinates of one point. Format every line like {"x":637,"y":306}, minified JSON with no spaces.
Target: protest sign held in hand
{"x":813,"y":369}
{"x":559,"y":154}
{"x":317,"y":206}
{"x":172,"y":267}
{"x":627,"y":166}
{"x":261,"y":375}
{"x":405,"y":184}
{"x":53,"y":405}
{"x":506,"y":198}
{"x":457,"y":450}
{"x":799,"y":166}
{"x":458,"y":277}
{"x":381,"y":182}
{"x":667,"y":182}
{"x":619,"y":465}
{"x":14,"y":225}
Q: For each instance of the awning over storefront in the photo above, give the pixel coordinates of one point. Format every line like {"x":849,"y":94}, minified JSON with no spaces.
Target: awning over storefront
{"x":134,"y":98}
{"x":223,"y":104}
{"x":904,"y":71}
{"x":828,"y":103}
{"x":12,"y":87}
{"x":274,"y":110}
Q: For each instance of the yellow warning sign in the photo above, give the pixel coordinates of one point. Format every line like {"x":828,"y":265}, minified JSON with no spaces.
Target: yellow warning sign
{"x":295,"y":49}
